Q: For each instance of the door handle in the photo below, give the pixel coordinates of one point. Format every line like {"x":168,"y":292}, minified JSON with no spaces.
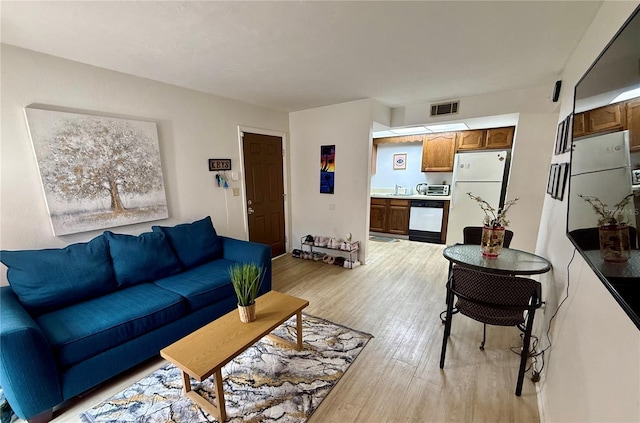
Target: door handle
{"x":250,"y":211}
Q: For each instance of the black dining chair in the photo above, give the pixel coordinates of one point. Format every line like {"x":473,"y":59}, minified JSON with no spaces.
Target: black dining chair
{"x":493,"y":300}
{"x":473,"y":235}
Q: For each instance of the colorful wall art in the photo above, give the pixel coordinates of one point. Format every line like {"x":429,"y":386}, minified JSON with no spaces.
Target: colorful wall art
{"x":97,"y":172}
{"x":327,"y":168}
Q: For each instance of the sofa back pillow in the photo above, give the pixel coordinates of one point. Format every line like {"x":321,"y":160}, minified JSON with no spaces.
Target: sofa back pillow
{"x":142,"y":258}
{"x":50,"y":279}
{"x":194,"y":243}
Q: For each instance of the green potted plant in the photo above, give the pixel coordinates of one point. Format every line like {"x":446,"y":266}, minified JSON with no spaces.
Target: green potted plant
{"x":246,"y":279}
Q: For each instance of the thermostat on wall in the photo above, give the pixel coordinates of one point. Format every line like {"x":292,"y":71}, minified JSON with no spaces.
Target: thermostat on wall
{"x":219,"y":164}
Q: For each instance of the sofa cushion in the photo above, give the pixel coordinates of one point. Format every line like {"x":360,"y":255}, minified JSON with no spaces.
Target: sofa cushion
{"x":194,"y":243}
{"x":83,"y":330}
{"x":142,"y":258}
{"x":46,"y":280}
{"x":202,"y":285}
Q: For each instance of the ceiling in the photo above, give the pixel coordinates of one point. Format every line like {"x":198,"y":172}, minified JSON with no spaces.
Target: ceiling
{"x":299,"y":55}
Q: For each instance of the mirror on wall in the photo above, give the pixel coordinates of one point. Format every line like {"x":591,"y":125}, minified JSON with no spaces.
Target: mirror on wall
{"x":604,"y":184}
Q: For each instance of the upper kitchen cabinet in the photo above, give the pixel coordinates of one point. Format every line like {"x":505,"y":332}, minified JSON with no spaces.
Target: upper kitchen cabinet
{"x":471,"y":140}
{"x":609,"y":118}
{"x":579,"y":125}
{"x":438,"y":151}
{"x":500,"y":137}
{"x":484,"y":139}
{"x":633,"y":123}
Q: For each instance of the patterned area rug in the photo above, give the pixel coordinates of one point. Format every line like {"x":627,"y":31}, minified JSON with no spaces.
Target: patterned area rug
{"x":265,"y":383}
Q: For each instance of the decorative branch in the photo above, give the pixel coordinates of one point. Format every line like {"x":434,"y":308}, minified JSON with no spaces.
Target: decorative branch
{"x":491,"y":217}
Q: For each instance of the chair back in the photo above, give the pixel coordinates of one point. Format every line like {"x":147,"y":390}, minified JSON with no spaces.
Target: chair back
{"x":473,"y":235}
{"x":494,"y":299}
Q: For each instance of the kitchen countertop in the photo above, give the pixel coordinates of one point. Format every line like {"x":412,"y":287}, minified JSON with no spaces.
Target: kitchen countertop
{"x":410,"y":197}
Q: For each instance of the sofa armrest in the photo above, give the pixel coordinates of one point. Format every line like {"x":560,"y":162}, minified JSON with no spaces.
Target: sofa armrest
{"x":28,"y":371}
{"x":245,"y":252}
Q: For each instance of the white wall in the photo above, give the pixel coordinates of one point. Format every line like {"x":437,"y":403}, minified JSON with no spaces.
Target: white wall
{"x":349,"y":127}
{"x":192,"y":126}
{"x":592,"y":371}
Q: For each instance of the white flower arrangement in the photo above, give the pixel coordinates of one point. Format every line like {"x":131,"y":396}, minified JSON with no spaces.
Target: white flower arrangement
{"x":608,"y":216}
{"x":492,"y":218}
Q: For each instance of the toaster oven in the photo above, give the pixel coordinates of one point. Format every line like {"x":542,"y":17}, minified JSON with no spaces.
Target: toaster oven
{"x":438,"y":190}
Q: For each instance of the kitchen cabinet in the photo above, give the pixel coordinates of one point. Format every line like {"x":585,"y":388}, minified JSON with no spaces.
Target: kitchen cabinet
{"x":438,"y":151}
{"x":471,"y":140}
{"x":389,"y":216}
{"x":500,"y":137}
{"x":579,"y":125}
{"x":633,"y":123}
{"x":484,"y":139}
{"x":607,"y":118}
{"x":378,"y":214}
{"x":610,"y":118}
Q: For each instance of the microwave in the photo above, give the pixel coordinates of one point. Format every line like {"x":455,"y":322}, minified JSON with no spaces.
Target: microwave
{"x":438,"y":190}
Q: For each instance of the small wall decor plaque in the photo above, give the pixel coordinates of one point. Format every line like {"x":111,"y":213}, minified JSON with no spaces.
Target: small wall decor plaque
{"x":400,"y":161}
{"x":219,"y":164}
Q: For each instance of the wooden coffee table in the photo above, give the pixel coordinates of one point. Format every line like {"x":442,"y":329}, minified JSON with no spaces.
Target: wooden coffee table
{"x":204,"y":352}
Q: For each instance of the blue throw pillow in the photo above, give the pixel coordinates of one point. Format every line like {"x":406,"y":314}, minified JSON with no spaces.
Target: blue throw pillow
{"x":194,"y":243}
{"x":142,"y":258}
{"x":50,"y":279}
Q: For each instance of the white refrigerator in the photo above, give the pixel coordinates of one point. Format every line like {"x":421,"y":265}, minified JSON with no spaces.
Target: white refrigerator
{"x":595,"y":162}
{"x":483,"y":175}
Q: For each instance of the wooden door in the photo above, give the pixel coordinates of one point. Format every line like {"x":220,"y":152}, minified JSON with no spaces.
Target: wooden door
{"x":500,"y":137}
{"x":265,"y":190}
{"x":633,"y":124}
{"x":438,"y":152}
{"x":471,"y":140}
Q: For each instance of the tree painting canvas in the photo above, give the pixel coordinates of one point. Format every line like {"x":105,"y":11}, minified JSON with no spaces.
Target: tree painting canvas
{"x":327,"y":168}
{"x":97,"y":172}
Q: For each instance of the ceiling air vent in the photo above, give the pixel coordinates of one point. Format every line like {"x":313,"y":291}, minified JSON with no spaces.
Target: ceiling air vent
{"x":449,"y":108}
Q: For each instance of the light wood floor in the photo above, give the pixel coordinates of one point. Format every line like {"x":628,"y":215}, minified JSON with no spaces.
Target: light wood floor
{"x":397,"y":297}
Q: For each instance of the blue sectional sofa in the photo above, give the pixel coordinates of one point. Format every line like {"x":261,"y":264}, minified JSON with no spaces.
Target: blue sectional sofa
{"x":74,"y":317}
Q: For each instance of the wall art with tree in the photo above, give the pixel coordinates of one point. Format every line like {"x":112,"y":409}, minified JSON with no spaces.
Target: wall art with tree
{"x":97,"y":172}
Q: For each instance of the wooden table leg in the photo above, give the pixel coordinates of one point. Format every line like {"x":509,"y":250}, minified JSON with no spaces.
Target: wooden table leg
{"x":285,"y":342}
{"x":218,"y":410}
{"x":299,"y":329}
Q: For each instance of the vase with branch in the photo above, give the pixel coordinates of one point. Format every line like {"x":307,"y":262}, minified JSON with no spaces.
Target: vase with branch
{"x":613,"y":230}
{"x":494,"y":224}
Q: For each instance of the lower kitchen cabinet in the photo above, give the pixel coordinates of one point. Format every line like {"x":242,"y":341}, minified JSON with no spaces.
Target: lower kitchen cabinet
{"x":378,"y":215}
{"x":389,"y":216}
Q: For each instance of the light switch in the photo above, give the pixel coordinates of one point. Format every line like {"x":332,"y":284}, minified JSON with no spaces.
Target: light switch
{"x":236,"y":192}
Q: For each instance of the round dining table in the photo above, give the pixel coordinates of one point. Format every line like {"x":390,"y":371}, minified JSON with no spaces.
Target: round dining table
{"x":509,"y":262}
